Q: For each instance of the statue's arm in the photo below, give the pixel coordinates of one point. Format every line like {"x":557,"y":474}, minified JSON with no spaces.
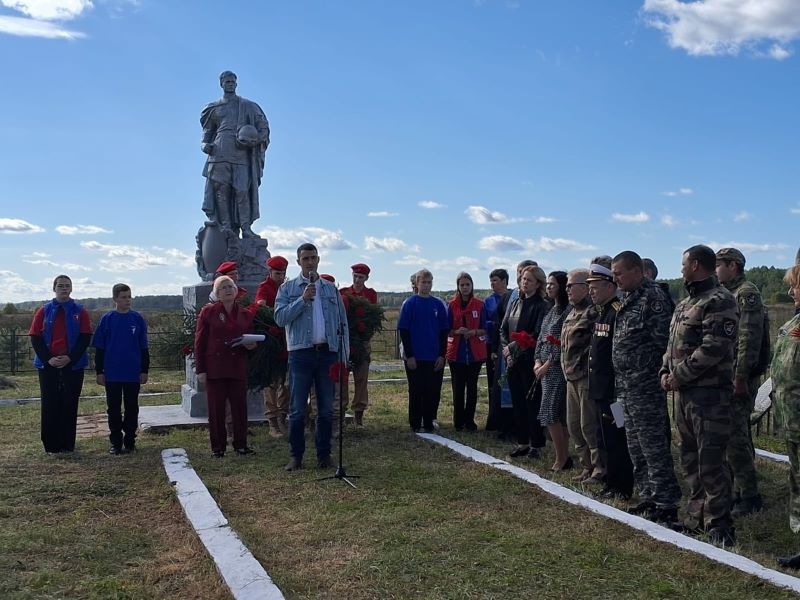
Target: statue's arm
{"x":209,"y":125}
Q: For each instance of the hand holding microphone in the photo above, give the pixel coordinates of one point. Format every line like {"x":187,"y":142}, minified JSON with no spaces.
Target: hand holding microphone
{"x":311,"y":288}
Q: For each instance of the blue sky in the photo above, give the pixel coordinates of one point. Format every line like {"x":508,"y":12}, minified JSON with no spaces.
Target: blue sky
{"x":457,"y":135}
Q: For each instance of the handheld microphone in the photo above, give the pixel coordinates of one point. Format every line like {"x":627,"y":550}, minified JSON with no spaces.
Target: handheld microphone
{"x":313,"y":277}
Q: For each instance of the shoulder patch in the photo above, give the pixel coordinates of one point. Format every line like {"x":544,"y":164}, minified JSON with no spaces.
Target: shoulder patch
{"x":657,"y":306}
{"x":729,"y":327}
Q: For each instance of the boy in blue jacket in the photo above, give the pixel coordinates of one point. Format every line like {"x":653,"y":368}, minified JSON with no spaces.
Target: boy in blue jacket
{"x":121,"y":362}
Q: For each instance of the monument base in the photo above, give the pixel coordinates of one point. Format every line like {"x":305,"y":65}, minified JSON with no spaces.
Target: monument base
{"x":195,"y":402}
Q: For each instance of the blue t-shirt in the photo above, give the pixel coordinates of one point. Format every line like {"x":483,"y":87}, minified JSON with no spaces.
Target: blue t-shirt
{"x":122,"y":336}
{"x":425,"y":319}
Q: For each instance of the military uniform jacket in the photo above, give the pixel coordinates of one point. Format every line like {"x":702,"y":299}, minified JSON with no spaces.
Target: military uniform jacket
{"x":640,"y":331}
{"x":751,"y":326}
{"x":702,"y":337}
{"x":576,"y":335}
{"x":785,"y":373}
{"x":601,"y":369}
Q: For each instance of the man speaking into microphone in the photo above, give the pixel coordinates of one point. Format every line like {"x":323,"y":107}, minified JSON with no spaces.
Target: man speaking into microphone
{"x":311,"y":311}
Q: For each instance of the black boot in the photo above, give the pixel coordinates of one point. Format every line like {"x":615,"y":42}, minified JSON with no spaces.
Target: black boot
{"x":789,"y":562}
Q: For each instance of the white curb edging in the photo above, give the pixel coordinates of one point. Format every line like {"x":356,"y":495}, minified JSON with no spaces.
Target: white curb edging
{"x":242,"y":573}
{"x":655,"y":531}
{"x":782,"y":458}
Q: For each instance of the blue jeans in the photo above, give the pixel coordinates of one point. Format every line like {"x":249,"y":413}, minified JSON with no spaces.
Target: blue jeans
{"x":306,"y":367}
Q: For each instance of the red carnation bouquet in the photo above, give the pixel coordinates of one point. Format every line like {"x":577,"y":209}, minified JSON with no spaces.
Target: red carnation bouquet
{"x":521,"y":342}
{"x":337,"y":372}
{"x":553,"y":340}
{"x":364,"y":319}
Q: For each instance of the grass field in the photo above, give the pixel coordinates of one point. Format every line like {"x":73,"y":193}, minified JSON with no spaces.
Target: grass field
{"x":423,"y":523}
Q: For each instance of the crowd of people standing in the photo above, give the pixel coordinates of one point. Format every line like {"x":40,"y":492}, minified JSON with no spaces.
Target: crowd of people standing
{"x":587,"y":355}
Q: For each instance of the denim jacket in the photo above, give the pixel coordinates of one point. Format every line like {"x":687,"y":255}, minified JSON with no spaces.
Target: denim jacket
{"x":293,"y":313}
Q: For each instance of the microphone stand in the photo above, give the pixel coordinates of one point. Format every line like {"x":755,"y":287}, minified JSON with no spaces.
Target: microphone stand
{"x":341,"y":473}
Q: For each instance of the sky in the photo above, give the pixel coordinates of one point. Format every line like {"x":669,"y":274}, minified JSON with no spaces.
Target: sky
{"x":453,"y":135}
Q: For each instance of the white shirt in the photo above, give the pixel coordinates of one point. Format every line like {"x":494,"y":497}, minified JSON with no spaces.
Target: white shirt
{"x":317,"y":318}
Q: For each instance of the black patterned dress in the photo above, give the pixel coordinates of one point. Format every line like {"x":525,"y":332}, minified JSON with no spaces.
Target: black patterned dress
{"x":554,"y":386}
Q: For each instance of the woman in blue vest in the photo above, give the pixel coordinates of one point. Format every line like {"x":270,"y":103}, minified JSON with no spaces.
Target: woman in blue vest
{"x":466,"y":350}
{"x":60,"y":333}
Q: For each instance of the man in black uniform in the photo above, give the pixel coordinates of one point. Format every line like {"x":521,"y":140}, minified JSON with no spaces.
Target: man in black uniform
{"x":619,"y":473}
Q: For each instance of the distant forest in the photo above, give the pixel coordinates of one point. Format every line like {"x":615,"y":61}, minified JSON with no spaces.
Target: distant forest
{"x":768,"y":279}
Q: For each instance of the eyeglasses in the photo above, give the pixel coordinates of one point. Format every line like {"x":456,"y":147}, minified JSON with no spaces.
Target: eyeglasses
{"x":571,"y":285}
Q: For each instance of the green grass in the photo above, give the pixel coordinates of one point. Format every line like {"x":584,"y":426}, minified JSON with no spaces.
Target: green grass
{"x":423,"y":523}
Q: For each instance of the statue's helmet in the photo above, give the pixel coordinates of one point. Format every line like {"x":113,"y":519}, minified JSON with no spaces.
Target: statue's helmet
{"x":247,"y":135}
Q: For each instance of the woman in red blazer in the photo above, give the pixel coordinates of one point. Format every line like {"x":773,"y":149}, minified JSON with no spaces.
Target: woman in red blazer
{"x":222,"y":367}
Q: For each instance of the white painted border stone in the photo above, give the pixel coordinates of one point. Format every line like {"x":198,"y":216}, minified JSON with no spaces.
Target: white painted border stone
{"x":242,"y":573}
{"x":655,"y":531}
{"x":782,"y":458}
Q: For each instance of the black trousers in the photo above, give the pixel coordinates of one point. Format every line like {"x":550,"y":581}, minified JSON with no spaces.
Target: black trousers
{"x":424,"y":392}
{"x":619,"y":468}
{"x":527,"y":429}
{"x":116,"y":393}
{"x":464,"y":378}
{"x":494,"y":415}
{"x":61,"y":389}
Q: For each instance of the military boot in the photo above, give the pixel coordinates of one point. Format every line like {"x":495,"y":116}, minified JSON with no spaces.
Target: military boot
{"x":747,"y":506}
{"x":359,"y":418}
{"x":283,"y":425}
{"x":274,"y":428}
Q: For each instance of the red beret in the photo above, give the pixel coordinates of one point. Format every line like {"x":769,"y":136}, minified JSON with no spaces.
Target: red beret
{"x":278,"y":263}
{"x":227,"y":267}
{"x":327,"y":277}
{"x":360,"y":268}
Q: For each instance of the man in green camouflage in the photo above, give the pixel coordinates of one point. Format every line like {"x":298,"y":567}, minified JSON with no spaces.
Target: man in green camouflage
{"x":698,"y":365}
{"x":746,"y":379}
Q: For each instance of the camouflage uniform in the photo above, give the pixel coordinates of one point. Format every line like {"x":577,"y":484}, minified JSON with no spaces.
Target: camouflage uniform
{"x":582,"y":417}
{"x":751,"y":330}
{"x":699,"y":357}
{"x":785,"y":373}
{"x":640,"y":338}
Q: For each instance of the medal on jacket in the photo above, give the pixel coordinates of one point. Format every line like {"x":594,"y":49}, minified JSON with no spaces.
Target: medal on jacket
{"x":222,"y":317}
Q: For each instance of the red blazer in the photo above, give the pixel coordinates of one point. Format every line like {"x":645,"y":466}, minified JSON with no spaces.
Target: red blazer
{"x":216,"y":329}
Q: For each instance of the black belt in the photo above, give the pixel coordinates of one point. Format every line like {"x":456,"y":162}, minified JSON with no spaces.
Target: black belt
{"x":321,"y":347}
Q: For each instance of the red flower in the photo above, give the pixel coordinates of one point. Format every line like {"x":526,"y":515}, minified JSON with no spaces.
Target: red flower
{"x":186,"y":350}
{"x":337,"y":371}
{"x":274,"y":331}
{"x":523,"y":339}
{"x":554,"y":340}
{"x":361,"y":327}
{"x":795,"y":332}
{"x":360,"y":311}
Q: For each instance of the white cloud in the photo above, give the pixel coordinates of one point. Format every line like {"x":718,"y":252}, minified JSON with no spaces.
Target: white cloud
{"x":498,"y":262}
{"x":37,"y":255}
{"x":684,"y":191}
{"x":544,"y":220}
{"x":135,"y":258}
{"x":410,"y":260}
{"x":726,"y":27}
{"x":482,"y":215}
{"x":742,"y":216}
{"x":669,"y":221}
{"x":74,"y":267}
{"x":640,"y":217}
{"x":42,"y":17}
{"x":81,"y":229}
{"x":454,"y":265}
{"x":382,"y":213}
{"x":795,"y":211}
{"x":388,"y":245}
{"x":290,"y":239}
{"x":49,"y":10}
{"x":749,"y":246}
{"x":430,"y":204}
{"x":45,"y":262}
{"x":34,"y":28}
{"x":500,"y":243}
{"x":546,"y":244}
{"x":18,"y":226}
